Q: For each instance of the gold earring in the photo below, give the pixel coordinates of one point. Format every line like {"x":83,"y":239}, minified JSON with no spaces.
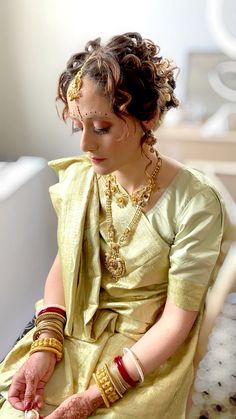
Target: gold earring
{"x":150,"y":140}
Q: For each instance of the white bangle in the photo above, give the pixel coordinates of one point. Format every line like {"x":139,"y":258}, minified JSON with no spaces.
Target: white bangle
{"x":136,"y":362}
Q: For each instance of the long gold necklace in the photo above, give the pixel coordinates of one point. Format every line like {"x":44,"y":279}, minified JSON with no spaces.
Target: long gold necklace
{"x":114,"y":263}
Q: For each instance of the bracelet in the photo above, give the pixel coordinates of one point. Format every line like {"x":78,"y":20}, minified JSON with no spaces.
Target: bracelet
{"x":136,"y":362}
{"x":123,"y":372}
{"x":50,"y":342}
{"x":101,"y":391}
{"x":120,"y":385}
{"x":51,"y":306}
{"x":51,"y":310}
{"x":52,"y":316}
{"x":113,"y":382}
{"x":47,"y":344}
{"x":38,"y":332}
{"x":55,"y":323}
{"x":103,"y":381}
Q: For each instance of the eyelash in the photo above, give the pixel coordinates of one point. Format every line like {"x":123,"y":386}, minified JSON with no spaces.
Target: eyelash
{"x":100,"y":131}
{"x":75,"y":129}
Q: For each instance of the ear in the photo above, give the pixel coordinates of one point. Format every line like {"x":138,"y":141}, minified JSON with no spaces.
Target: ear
{"x":152,"y":123}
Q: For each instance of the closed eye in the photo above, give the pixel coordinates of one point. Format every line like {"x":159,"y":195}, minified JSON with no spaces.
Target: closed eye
{"x":75,"y":129}
{"x":101,"y":130}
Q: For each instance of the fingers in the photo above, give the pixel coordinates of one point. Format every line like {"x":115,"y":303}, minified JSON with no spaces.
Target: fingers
{"x":30,"y":392}
{"x":38,"y":401}
{"x":17,"y":391}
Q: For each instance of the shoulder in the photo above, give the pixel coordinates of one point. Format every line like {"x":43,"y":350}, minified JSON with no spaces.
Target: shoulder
{"x":192,"y":185}
{"x":190,"y":194}
{"x":181,"y":184}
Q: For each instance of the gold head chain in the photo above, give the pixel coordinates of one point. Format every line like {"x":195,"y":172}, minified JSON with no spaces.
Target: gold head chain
{"x":114,"y":263}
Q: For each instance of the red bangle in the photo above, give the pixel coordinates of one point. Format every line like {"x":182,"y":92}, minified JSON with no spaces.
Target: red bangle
{"x":52,"y":310}
{"x":121,"y":368}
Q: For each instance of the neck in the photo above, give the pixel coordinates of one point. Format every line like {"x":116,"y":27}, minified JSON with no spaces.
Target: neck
{"x":132,"y":176}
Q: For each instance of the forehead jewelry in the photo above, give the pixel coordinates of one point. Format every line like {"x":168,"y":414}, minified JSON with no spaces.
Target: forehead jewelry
{"x":114,"y":263}
{"x":75,"y":85}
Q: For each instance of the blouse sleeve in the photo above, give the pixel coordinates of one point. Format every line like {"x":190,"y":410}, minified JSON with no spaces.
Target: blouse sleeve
{"x":195,"y":250}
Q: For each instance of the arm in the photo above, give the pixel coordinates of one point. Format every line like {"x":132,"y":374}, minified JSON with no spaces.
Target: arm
{"x":162,"y":339}
{"x":53,"y":291}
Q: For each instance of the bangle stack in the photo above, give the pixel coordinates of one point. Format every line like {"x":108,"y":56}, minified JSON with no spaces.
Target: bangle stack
{"x":50,"y":319}
{"x":113,"y":380}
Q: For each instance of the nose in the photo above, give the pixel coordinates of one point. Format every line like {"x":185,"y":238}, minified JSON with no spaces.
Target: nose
{"x":88,"y":142}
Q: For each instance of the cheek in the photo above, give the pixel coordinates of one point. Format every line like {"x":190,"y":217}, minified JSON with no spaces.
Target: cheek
{"x":120,"y":134}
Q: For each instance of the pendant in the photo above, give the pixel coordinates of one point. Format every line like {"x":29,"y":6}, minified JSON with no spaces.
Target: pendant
{"x":31,"y":414}
{"x":122,"y":201}
{"x":115,"y":265}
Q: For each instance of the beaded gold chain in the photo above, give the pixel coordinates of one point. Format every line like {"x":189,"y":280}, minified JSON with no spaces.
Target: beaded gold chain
{"x":113,"y":262}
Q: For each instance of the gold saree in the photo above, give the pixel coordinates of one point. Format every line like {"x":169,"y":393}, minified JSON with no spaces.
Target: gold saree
{"x":173,"y":252}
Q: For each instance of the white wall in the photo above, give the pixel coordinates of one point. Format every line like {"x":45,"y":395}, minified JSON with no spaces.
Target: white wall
{"x":37,"y":37}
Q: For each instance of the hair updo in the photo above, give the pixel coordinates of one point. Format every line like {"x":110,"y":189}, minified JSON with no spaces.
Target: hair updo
{"x":129,"y":70}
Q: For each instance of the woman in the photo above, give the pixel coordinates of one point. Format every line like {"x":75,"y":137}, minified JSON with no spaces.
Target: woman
{"x":139,"y":236}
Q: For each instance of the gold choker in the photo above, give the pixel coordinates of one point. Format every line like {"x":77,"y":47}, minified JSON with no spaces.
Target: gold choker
{"x":114,"y":263}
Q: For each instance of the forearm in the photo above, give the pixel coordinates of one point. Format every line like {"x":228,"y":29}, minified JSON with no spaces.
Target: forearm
{"x":54,"y":291}
{"x":161,"y":341}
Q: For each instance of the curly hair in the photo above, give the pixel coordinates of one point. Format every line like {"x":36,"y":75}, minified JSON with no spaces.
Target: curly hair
{"x":129,"y":71}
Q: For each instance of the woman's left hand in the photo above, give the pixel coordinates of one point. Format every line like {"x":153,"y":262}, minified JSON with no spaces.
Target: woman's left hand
{"x":78,"y":406}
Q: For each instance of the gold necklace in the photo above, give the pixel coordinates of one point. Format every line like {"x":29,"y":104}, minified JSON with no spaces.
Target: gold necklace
{"x":113,"y":262}
{"x":136,"y":197}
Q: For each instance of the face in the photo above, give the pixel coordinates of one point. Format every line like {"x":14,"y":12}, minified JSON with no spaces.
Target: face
{"x":111,"y":143}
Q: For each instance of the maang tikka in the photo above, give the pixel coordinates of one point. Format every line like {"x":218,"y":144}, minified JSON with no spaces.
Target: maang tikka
{"x":75,"y":85}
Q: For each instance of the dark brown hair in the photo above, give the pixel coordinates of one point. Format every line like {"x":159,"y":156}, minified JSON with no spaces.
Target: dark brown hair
{"x":129,"y":70}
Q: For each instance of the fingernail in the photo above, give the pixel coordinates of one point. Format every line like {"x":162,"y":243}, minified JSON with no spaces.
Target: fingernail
{"x":27,"y":405}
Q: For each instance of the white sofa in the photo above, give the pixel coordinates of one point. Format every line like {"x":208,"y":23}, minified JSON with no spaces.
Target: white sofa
{"x":27,"y":242}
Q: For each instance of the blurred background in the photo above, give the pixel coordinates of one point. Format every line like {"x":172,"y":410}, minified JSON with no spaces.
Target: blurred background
{"x":36,"y":39}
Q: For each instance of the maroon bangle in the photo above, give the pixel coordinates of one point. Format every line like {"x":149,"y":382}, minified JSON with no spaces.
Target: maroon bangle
{"x":52,"y":310}
{"x":121,"y":368}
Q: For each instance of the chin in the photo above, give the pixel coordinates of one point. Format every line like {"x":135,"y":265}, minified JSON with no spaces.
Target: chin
{"x":101,"y":170}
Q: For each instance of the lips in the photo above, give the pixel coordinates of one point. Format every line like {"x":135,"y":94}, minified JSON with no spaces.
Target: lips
{"x":97,"y":159}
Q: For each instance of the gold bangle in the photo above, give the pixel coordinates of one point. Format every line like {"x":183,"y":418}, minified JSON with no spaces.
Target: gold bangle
{"x":101,"y":391}
{"x":48,"y":349}
{"x":48,"y":328}
{"x":46,"y":341}
{"x":107,"y":385}
{"x":50,"y":315}
{"x":113,"y":381}
{"x":39,"y":332}
{"x":52,"y":323}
